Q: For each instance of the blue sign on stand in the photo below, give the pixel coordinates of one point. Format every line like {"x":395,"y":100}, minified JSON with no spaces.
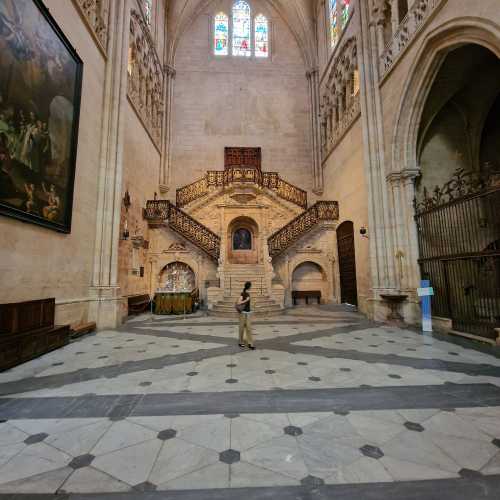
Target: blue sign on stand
{"x":425,"y":293}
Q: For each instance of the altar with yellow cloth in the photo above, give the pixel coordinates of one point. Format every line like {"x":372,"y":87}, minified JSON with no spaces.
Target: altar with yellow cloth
{"x":175,"y":302}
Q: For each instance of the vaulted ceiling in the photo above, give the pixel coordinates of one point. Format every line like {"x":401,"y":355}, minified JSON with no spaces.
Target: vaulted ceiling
{"x":298,"y":14}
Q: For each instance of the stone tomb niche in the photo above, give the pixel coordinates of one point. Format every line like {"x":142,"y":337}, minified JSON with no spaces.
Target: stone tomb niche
{"x":242,"y":241}
{"x":177,"y":277}
{"x":309,"y":277}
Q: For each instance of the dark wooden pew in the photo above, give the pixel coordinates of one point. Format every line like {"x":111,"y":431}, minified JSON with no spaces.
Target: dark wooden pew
{"x":27,"y":331}
{"x":138,"y":304}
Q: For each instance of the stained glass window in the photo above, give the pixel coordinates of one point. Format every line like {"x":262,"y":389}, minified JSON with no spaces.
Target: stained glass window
{"x":345,"y":11}
{"x":241,"y":29}
{"x":261,"y":36}
{"x":333,"y":22}
{"x":221,"y":35}
{"x":148,"y":10}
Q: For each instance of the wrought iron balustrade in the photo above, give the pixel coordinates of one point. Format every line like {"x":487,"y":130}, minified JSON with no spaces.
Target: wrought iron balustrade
{"x":302,"y":224}
{"x":159,"y":212}
{"x":215,"y":178}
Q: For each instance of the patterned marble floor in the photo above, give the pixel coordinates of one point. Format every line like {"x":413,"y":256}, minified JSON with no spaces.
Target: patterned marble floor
{"x":328,"y":406}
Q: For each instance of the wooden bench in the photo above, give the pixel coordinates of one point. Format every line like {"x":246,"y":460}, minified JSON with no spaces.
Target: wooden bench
{"x":27,"y":331}
{"x":138,"y":304}
{"x":309,"y":294}
{"x":82,"y":329}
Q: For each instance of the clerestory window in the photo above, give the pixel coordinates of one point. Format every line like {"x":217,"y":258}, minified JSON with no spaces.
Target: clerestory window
{"x":339,"y":12}
{"x":242,"y":35}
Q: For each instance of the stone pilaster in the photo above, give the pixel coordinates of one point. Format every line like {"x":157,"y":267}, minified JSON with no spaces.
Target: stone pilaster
{"x":313,"y":79}
{"x":105,"y":301}
{"x":166,"y":160}
{"x":381,"y":241}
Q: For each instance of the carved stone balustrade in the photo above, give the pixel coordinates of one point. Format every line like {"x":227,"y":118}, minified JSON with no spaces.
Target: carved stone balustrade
{"x":95,"y":13}
{"x":415,"y":19}
{"x":145,"y":78}
{"x":340,"y":97}
{"x":302,"y":224}
{"x":214,"y":179}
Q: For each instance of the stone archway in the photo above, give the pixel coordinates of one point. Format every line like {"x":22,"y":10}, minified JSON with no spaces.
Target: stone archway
{"x":405,"y":167}
{"x":438,"y":130}
{"x":309,"y":276}
{"x":243,"y":241}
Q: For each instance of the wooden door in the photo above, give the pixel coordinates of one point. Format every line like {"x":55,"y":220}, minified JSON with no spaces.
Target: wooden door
{"x":347,"y":263}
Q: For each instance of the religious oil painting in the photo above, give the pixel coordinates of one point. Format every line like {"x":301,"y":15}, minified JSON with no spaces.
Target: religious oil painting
{"x":40,"y":86}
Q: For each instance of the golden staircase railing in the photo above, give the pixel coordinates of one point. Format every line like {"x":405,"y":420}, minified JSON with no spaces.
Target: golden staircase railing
{"x":282,"y":239}
{"x":159,"y":212}
{"x":216,"y":178}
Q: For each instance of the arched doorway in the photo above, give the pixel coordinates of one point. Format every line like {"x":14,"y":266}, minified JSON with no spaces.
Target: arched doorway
{"x":242,"y":241}
{"x":177,"y":277}
{"x":309,"y":282}
{"x":458,"y":191}
{"x":347,"y":263}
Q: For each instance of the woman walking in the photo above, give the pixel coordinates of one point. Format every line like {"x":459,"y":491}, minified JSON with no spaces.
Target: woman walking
{"x":243,"y":306}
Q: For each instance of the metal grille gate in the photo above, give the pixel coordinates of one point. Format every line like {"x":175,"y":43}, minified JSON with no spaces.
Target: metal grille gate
{"x":459,"y":238}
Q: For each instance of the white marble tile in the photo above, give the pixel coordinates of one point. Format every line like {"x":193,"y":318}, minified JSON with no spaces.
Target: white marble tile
{"x":120,"y":435}
{"x":35,"y":459}
{"x":214,"y":476}
{"x":214,"y":435}
{"x":246,"y":433}
{"x":281,"y":455}
{"x":178,"y":458}
{"x":46,"y":482}
{"x":131,"y":465}
{"x":246,"y":475}
{"x":90,"y":480}
{"x":10,"y":434}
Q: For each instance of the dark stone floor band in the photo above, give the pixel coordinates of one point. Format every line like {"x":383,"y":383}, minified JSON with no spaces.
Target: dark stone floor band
{"x":446,"y":396}
{"x":478,"y":488}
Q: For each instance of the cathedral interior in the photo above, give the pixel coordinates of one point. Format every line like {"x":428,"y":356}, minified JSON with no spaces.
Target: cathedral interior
{"x":342,"y":157}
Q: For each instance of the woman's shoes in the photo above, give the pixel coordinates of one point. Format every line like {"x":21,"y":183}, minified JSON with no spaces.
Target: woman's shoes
{"x":242,"y":346}
{"x":251,"y":347}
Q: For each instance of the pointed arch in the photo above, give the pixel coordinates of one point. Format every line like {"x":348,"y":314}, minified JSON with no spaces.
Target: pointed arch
{"x":242,"y":43}
{"x":261,"y":36}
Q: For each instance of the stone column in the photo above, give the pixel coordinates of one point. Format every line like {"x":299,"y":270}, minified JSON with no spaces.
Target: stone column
{"x":105,"y":301}
{"x":381,"y":241}
{"x":167,"y":130}
{"x":313,"y":80}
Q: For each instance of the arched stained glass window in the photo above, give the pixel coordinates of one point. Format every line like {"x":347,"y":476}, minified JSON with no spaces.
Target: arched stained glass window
{"x":221,"y":35}
{"x":241,"y":29}
{"x":333,"y":22}
{"x":261,"y":36}
{"x":345,"y":11}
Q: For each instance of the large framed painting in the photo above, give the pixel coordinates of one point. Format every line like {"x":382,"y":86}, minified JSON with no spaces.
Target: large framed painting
{"x":40,"y":88}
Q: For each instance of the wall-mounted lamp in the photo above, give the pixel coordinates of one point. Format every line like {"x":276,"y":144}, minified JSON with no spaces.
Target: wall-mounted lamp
{"x":363,"y":232}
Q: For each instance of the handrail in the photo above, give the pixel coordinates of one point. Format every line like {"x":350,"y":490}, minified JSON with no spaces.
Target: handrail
{"x":216,"y":178}
{"x":162,"y":211}
{"x":303,"y":223}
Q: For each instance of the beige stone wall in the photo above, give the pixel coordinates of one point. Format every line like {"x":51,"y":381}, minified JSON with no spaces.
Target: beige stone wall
{"x":345,"y":181}
{"x":239,"y":102}
{"x":35,"y":262}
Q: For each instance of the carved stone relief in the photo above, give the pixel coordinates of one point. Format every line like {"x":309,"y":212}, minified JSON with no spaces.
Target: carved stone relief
{"x":340,"y":98}
{"x":145,"y":78}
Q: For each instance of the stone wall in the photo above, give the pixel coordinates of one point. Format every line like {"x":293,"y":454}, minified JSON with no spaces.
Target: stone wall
{"x":35,"y":262}
{"x":230,"y":101}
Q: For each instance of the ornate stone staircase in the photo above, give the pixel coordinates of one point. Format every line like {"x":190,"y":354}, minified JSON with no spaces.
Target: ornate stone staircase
{"x":234,"y":278}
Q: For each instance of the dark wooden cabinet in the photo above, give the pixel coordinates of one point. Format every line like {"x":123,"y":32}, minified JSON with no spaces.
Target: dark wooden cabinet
{"x":27,"y":331}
